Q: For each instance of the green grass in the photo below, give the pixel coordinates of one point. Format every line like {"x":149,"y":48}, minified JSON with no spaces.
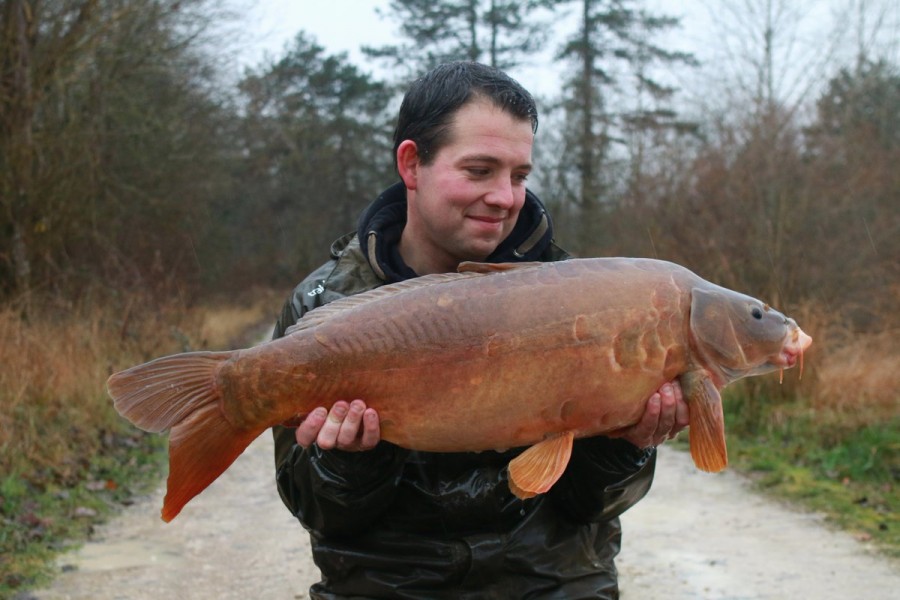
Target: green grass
{"x":40,"y":518}
{"x":847,"y":472}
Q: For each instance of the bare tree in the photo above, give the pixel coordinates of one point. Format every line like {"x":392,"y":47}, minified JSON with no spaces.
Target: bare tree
{"x":31,"y":55}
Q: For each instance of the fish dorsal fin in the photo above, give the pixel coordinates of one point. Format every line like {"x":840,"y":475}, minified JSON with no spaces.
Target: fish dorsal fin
{"x":323,"y":313}
{"x":538,"y":468}
{"x":707,"y":427}
{"x":486,"y":268}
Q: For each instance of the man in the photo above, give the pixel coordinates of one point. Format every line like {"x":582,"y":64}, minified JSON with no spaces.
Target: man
{"x":386,"y":522}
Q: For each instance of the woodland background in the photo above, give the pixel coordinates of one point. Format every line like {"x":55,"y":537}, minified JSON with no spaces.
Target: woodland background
{"x":140,"y":184}
{"x":127,"y":160}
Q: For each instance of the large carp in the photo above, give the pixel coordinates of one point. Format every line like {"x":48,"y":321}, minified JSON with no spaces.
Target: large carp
{"x":495,"y":356}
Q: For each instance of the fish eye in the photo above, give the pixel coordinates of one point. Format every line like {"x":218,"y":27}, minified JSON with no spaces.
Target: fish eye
{"x":756,"y":313}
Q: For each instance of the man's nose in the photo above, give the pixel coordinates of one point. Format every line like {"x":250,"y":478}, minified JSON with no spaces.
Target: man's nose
{"x":501,"y":194}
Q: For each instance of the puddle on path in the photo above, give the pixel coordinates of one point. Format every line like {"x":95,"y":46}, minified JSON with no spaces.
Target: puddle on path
{"x":124,"y":554}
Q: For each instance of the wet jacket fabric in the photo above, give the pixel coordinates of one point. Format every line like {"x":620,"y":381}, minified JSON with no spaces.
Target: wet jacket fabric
{"x":395,"y":523}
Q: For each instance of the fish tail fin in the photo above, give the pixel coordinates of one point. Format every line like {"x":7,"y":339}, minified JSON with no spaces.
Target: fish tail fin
{"x":159,"y":394}
{"x":180,"y":393}
{"x":707,"y":422}
{"x":201,"y":447}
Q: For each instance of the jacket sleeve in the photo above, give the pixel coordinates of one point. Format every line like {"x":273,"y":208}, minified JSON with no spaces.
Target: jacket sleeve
{"x":333,"y":492}
{"x":605,"y":477}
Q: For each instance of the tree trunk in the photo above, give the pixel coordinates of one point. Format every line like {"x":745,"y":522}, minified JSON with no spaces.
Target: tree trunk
{"x":16,"y":143}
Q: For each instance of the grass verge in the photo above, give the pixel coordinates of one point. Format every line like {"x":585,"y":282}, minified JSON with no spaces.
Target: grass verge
{"x":67,"y":460}
{"x":41,"y":520}
{"x":846,"y":470}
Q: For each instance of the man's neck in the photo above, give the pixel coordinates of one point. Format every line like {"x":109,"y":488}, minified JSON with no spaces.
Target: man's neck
{"x":414,"y":254}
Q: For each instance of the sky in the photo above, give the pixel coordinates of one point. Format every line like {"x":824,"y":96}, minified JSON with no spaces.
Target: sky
{"x":345,"y":25}
{"x":339,"y":25}
{"x":266,"y":26}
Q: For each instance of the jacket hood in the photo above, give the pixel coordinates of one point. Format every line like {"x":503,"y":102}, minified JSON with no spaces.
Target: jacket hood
{"x":382,"y":222}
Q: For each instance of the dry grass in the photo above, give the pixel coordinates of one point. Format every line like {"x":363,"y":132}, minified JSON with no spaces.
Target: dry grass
{"x":860,"y":378}
{"x":53,"y":409}
{"x":850,"y":377}
{"x":224,"y":325}
{"x":54,"y":412}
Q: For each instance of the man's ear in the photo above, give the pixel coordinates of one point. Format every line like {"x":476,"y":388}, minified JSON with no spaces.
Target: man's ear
{"x":408,"y":163}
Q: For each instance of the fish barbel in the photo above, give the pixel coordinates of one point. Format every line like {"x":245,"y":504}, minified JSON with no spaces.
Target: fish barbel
{"x":495,"y":356}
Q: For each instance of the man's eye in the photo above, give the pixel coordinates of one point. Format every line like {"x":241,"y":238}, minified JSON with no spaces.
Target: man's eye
{"x":477,"y":172}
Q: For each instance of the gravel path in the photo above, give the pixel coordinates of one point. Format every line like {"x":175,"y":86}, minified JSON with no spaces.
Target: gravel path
{"x":695,"y":536}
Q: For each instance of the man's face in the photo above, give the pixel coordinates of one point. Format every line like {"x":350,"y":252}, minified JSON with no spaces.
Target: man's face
{"x":467,"y":200}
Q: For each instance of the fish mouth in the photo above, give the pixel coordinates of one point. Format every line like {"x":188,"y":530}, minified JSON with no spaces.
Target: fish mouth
{"x":796,"y":345}
{"x":793,"y":349}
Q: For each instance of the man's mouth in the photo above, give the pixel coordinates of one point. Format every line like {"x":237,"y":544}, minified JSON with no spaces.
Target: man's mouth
{"x":487,"y":219}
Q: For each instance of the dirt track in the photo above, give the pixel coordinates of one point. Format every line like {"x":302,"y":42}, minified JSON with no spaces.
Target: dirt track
{"x":695,"y":536}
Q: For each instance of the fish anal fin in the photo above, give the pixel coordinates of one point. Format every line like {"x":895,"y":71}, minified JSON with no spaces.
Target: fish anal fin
{"x":201,"y":447}
{"x":707,"y":422}
{"x":538,"y":468}
{"x":484,"y":268}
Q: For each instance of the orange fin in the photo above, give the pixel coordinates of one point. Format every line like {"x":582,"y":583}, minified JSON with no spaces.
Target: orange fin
{"x":538,"y":468}
{"x":201,"y":447}
{"x":159,"y":394}
{"x":707,"y":428}
{"x":180,"y":393}
{"x":479,"y":267}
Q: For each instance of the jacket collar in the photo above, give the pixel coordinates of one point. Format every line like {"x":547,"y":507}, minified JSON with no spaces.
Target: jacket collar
{"x":382,"y":222}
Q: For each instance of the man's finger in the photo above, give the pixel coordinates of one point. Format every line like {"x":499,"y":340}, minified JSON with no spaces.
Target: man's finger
{"x":308,"y":430}
{"x":666,"y":413}
{"x":327,"y":438}
{"x":371,"y":434}
{"x":350,"y":427}
{"x":641,"y":434}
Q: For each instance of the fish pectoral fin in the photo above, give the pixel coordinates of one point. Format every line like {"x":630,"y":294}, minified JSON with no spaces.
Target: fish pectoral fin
{"x":538,"y":468}
{"x":707,"y":423}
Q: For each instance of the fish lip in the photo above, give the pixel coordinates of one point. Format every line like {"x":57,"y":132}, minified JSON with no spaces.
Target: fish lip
{"x":793,"y":349}
{"x":787,"y":358}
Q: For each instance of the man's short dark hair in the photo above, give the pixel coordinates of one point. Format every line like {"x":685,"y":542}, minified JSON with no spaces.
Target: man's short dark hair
{"x":432,"y":100}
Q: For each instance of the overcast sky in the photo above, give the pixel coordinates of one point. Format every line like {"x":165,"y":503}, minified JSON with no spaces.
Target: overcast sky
{"x":345,"y":25}
{"x":339,"y":25}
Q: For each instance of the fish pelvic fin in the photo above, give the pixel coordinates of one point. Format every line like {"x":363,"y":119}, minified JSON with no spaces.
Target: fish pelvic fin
{"x":707,"y":421}
{"x":179,"y":393}
{"x":536,"y":470}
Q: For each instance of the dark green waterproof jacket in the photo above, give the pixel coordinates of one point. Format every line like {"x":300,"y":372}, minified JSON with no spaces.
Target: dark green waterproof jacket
{"x":395,"y":523}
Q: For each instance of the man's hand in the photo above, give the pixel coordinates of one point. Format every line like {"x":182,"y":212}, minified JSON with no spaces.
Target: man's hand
{"x":351,"y":427}
{"x":665,"y":415}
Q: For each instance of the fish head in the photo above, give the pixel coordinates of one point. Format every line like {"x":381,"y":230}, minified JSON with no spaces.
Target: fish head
{"x":740,"y":336}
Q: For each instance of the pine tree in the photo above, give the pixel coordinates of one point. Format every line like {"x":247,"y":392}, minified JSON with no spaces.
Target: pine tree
{"x":501,"y":33}
{"x":612,"y":51}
